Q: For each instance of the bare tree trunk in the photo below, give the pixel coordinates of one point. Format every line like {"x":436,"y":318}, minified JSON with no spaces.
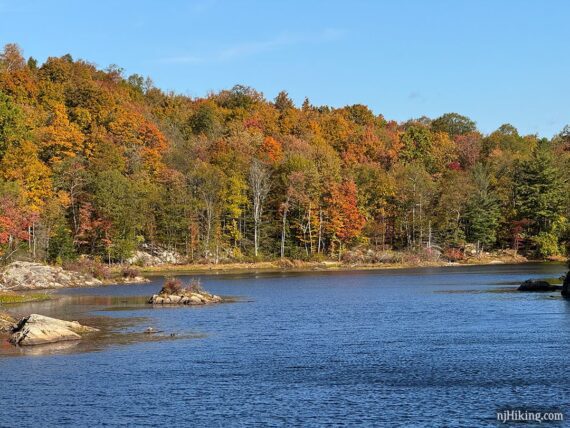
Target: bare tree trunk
{"x":421,"y":224}
{"x":319,"y":246}
{"x":304,"y":229}
{"x":383,"y":233}
{"x":413,"y":225}
{"x":309,"y":226}
{"x":260,"y":185}
{"x":284,"y":223}
{"x":209,"y":218}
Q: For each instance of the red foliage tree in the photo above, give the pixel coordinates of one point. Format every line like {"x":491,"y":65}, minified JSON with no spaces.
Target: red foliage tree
{"x":345,"y":220}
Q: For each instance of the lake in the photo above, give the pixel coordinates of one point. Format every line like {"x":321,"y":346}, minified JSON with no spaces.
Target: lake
{"x":423,"y":347}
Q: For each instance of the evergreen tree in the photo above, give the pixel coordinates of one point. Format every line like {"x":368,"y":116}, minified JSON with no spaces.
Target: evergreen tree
{"x":482,"y":210}
{"x":538,"y":191}
{"x":539,"y":200}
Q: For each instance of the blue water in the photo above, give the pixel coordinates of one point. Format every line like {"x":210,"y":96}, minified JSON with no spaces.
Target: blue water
{"x":418,"y":347}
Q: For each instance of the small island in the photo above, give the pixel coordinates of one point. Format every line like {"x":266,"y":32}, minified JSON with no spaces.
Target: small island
{"x":174,"y":292}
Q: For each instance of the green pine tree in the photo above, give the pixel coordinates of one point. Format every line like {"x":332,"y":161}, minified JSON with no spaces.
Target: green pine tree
{"x":482,"y":210}
{"x":539,"y":198}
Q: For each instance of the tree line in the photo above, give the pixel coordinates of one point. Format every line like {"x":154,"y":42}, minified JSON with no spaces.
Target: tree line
{"x":96,"y":163}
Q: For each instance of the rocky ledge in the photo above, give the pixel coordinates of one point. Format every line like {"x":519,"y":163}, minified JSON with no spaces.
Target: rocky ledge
{"x":38,"y":330}
{"x":537,"y":285}
{"x":34,"y":276}
{"x":173,"y":293}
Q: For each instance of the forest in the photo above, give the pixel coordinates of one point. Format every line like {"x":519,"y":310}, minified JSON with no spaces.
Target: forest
{"x":95,"y":163}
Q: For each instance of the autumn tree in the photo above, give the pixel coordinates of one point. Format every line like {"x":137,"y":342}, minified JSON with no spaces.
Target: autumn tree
{"x":415,"y":192}
{"x":11,"y":58}
{"x":260,"y":184}
{"x":453,"y":124}
{"x":21,"y":165}
{"x":345,"y":219}
{"x":15,"y":221}
{"x":12,"y":124}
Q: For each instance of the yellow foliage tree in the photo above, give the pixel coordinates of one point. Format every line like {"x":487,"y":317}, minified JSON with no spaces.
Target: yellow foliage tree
{"x":22,"y":165}
{"x":60,"y":138}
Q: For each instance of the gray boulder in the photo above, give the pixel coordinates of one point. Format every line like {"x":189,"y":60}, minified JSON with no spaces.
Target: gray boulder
{"x":34,"y":276}
{"x":155,"y":256}
{"x":38,"y":330}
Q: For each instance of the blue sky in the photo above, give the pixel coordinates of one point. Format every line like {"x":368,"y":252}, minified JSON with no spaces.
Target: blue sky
{"x":495,"y":61}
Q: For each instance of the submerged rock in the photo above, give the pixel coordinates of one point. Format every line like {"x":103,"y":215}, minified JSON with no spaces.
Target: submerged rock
{"x":537,"y":285}
{"x":38,"y":329}
{"x":33,"y":276}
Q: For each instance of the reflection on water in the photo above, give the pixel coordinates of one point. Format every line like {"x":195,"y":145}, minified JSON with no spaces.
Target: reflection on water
{"x":113,"y":331}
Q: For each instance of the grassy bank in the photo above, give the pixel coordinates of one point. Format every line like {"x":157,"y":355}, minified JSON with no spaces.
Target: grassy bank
{"x":10,"y":297}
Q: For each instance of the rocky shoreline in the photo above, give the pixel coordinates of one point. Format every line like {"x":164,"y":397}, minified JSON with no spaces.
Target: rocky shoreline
{"x":304,"y":266}
{"x":37,"y":276}
{"x":21,"y":276}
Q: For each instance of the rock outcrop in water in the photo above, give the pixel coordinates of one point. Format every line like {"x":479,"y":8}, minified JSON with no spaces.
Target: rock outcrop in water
{"x":566,"y":286}
{"x":38,"y":330}
{"x":173,"y":293}
{"x":537,"y":285}
{"x":34,"y":276}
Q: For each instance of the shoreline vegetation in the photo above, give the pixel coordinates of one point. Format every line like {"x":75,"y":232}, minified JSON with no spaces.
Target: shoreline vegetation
{"x":13,"y":297}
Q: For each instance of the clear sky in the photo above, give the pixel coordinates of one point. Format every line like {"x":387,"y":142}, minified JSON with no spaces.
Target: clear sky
{"x":495,"y":61}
